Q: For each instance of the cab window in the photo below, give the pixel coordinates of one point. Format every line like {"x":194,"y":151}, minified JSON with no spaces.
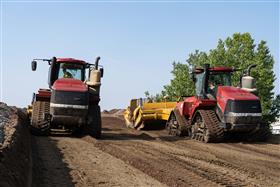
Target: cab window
{"x":71,"y":70}
{"x":220,"y":79}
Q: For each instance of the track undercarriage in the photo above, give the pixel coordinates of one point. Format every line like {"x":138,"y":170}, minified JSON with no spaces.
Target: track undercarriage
{"x":41,"y":124}
{"x":206,"y":127}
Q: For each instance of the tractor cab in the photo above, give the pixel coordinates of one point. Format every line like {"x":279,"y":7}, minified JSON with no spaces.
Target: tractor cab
{"x":208,"y":79}
{"x":68,"y":68}
{"x":64,"y":68}
{"x":216,"y":79}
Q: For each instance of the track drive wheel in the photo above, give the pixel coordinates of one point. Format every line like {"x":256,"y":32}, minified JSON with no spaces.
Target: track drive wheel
{"x":174,"y":128}
{"x":205,"y":127}
{"x":93,"y":127}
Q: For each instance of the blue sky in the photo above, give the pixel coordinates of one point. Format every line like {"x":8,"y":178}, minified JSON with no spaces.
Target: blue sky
{"x":137,"y":41}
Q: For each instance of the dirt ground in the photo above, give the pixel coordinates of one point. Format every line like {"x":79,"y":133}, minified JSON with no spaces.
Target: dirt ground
{"x":127,"y":157}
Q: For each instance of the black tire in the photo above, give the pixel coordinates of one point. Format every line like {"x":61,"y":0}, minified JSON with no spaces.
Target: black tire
{"x":93,"y":127}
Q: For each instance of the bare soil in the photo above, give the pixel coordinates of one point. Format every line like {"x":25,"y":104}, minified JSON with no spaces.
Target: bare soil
{"x":127,"y":157}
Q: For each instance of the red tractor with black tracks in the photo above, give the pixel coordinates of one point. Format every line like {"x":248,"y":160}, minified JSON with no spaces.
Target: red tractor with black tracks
{"x":219,"y":110}
{"x":72,"y":101}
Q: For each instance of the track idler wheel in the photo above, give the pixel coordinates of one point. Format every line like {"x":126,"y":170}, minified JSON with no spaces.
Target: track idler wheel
{"x":174,"y":128}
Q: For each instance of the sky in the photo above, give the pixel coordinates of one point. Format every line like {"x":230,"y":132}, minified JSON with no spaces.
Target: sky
{"x":137,"y":41}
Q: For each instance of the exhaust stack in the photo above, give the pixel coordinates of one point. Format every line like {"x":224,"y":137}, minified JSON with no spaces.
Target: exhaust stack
{"x":97,"y":62}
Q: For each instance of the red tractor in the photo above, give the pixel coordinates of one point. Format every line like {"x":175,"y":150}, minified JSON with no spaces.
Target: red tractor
{"x":72,"y":101}
{"x":219,"y":109}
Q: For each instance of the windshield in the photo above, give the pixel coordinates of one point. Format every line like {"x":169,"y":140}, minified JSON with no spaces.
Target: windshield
{"x":71,"y":70}
{"x":219,"y":79}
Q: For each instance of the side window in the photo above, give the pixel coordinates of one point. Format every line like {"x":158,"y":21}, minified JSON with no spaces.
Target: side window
{"x":49,"y":76}
{"x":199,"y":83}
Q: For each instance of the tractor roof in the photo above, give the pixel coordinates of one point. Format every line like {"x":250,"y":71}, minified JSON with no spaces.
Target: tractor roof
{"x":215,"y":69}
{"x":71,"y":60}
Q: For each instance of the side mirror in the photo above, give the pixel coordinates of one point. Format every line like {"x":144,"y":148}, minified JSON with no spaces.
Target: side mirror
{"x":33,"y":65}
{"x":101,"y":71}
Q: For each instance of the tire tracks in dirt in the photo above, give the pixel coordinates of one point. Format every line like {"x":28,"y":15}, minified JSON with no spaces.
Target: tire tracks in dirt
{"x":127,"y":157}
{"x":232,"y":159}
{"x":212,"y":162}
{"x":161,"y":167}
{"x":217,"y":164}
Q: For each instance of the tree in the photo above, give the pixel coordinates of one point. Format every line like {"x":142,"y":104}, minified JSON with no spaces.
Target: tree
{"x":197,"y":59}
{"x":265,"y":76}
{"x":181,"y":85}
{"x":275,"y":109}
{"x":156,"y":98}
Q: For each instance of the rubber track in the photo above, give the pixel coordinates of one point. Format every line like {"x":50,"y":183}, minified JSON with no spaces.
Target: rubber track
{"x":184,"y":125}
{"x":39,"y":108}
{"x":216,"y":133}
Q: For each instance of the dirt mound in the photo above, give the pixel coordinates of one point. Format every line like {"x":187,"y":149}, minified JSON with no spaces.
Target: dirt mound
{"x":105,"y":112}
{"x":113,"y":113}
{"x":15,"y":151}
{"x":119,"y":112}
{"x":5,"y":113}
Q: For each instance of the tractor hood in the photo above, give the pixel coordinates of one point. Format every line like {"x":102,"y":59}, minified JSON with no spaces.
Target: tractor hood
{"x":233,"y":93}
{"x":228,"y":94}
{"x":67,"y":84}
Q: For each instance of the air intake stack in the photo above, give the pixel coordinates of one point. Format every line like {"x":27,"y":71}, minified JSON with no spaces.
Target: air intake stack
{"x":248,"y":82}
